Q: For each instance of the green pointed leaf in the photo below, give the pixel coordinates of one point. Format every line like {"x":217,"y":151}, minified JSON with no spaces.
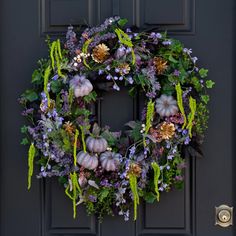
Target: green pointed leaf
{"x":203,"y":73}
{"x":122,"y":22}
{"x":30,"y":95}
{"x":205,"y":98}
{"x":210,"y":84}
{"x":24,"y":141}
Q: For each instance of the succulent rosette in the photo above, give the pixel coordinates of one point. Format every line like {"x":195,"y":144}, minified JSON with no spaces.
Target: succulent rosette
{"x":106,"y":170}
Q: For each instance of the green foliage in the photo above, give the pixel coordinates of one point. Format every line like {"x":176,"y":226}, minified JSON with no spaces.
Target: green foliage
{"x":210,"y":84}
{"x":24,"y":129}
{"x":196,"y":83}
{"x":31,"y":155}
{"x":141,"y":80}
{"x":91,"y":97}
{"x":201,"y":118}
{"x":122,"y":22}
{"x":111,"y":139}
{"x":135,"y":133}
{"x":82,"y":138}
{"x":205,"y":98}
{"x":134,"y":189}
{"x":180,"y":102}
{"x":24,"y":141}
{"x":193,"y":107}
{"x":157,"y":172}
{"x":30,"y":95}
{"x":56,"y":86}
{"x":150,"y":197}
{"x":203,"y":73}
{"x":149,"y":115}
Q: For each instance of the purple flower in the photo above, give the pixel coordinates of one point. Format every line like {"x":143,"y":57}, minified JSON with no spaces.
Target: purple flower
{"x":121,"y":51}
{"x":92,"y":198}
{"x":130,"y":80}
{"x":116,"y":87}
{"x":109,"y":77}
{"x":188,"y":51}
{"x":167,"y":42}
{"x":151,"y":94}
{"x":55,"y":77}
{"x":176,"y":73}
{"x":100,"y":72}
{"x":105,"y":183}
{"x":187,"y":140}
{"x":194,"y":59}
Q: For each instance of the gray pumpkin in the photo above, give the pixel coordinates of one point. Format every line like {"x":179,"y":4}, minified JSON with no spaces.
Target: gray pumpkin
{"x":96,"y":145}
{"x":110,"y":161}
{"x":87,"y":161}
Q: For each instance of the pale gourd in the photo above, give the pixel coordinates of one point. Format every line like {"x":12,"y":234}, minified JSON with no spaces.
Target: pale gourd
{"x":86,"y":160}
{"x":109,"y":161}
{"x":166,"y":106}
{"x":96,"y":145}
{"x":81,"y":86}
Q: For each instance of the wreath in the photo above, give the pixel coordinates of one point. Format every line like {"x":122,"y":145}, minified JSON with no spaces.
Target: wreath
{"x":110,"y":171}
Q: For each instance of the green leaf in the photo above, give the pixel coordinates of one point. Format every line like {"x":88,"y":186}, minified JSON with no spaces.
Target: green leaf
{"x":203,"y":73}
{"x":205,"y":98}
{"x":122,"y":22}
{"x":210,"y":84}
{"x":90,"y":97}
{"x":24,"y":141}
{"x":30,"y":95}
{"x":62,"y":180}
{"x":171,"y":59}
{"x":56,"y":86}
{"x":103,"y":194}
{"x":168,"y":89}
{"x":24,"y":129}
{"x":36,"y":77}
{"x":150,"y":197}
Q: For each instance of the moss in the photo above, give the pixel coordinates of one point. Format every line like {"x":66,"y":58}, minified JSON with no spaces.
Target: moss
{"x":75,"y":146}
{"x":134,"y":189}
{"x":31,"y":155}
{"x":193,"y":106}
{"x":46,"y":77}
{"x":157,"y":172}
{"x":180,"y":102}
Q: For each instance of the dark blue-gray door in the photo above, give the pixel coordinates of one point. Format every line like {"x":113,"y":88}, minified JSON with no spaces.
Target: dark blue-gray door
{"x":207,"y":27}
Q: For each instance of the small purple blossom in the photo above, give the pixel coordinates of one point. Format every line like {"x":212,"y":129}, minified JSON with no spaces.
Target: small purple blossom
{"x":176,"y":73}
{"x":116,"y":87}
{"x":130,"y":80}
{"x":109,"y":77}
{"x":167,"y":42}
{"x":188,"y":51}
{"x":194,"y":59}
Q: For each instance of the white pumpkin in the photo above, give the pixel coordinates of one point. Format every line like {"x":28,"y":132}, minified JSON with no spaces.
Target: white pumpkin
{"x":109,"y":161}
{"x":81,"y":86}
{"x":96,"y":145}
{"x":87,"y":161}
{"x":166,"y":106}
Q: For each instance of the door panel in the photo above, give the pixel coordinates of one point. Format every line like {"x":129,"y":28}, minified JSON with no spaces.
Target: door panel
{"x":207,"y":27}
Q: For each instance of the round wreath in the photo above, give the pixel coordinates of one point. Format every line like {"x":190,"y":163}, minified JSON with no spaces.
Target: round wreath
{"x":105,"y":170}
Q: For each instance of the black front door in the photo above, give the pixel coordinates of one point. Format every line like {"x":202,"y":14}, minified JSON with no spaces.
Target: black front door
{"x":207,"y":27}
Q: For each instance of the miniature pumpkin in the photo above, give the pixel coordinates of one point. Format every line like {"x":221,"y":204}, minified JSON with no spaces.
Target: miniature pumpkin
{"x":166,"y":106}
{"x":87,"y":161}
{"x":97,"y":145}
{"x":109,"y":161}
{"x":81,"y":86}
